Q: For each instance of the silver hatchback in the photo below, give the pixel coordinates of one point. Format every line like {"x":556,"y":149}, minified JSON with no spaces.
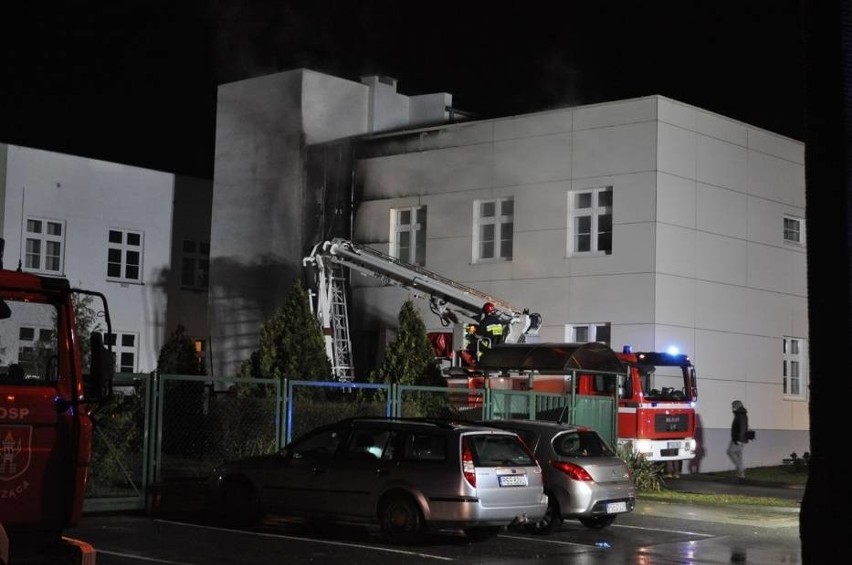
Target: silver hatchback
{"x":406,"y":475}
{"x":584,"y":479}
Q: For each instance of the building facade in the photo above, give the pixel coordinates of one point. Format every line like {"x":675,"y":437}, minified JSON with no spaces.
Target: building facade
{"x":645,"y":222}
{"x":139,"y":236}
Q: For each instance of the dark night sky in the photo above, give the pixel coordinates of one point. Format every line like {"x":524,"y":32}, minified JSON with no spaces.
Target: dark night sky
{"x":135,"y":82}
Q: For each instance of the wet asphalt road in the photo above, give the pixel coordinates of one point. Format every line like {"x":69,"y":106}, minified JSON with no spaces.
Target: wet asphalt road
{"x":655,"y":533}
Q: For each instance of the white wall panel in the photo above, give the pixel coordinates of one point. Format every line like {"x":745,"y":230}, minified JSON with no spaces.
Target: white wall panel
{"x":677,"y":151}
{"x":532,"y":160}
{"x":618,"y":113}
{"x":722,"y":307}
{"x":676,"y":200}
{"x":722,"y":211}
{"x":615,"y":150}
{"x":776,"y":179}
{"x":721,"y":163}
{"x":533,"y":125}
{"x":721,"y":259}
{"x":676,"y":251}
{"x":774,"y":268}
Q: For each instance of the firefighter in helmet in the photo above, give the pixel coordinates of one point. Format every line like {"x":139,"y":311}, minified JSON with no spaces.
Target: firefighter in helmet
{"x":490,"y":326}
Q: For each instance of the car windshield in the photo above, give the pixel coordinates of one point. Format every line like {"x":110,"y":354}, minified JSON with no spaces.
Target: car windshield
{"x":581,"y":443}
{"x":28,"y":345}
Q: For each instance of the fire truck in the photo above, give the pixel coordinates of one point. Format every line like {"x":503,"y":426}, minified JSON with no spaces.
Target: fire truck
{"x":451,"y":301}
{"x":47,"y":395}
{"x":656,"y":392}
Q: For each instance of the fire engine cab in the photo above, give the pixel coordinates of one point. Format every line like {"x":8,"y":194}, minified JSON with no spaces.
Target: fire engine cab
{"x":50,"y":380}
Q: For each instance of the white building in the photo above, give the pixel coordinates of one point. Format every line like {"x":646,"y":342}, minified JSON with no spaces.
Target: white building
{"x":645,"y":222}
{"x":111,"y":228}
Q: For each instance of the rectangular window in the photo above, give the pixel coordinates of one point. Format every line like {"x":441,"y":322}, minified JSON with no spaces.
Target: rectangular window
{"x":794,"y":230}
{"x":195,"y":265}
{"x":124,"y":256}
{"x":408,"y":234}
{"x":44,"y":244}
{"x":793,"y":364}
{"x":585,"y":333}
{"x":31,"y":340}
{"x":590,"y":221}
{"x":125,"y":349}
{"x":494,"y":221}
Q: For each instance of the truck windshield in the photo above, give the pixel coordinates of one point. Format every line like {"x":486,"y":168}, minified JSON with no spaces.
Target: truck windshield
{"x":28,"y":345}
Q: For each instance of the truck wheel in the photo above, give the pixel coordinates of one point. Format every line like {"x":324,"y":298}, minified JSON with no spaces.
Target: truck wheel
{"x":551,"y":521}
{"x":400,"y":519}
{"x":598,"y":522}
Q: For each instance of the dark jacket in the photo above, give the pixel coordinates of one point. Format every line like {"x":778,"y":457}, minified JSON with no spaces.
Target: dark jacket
{"x":491,"y":327}
{"x":739,"y":426}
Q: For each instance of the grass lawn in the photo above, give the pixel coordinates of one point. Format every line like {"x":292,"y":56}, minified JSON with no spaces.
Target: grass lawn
{"x":780,"y":475}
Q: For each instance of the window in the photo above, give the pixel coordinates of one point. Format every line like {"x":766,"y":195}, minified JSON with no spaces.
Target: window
{"x":584,"y":333}
{"x":32,"y":340}
{"x":195,"y":265}
{"x":590,"y":221}
{"x":44,"y":243}
{"x":793,"y":372}
{"x":794,"y":230}
{"x":125,"y":350}
{"x":408,"y":235}
{"x":124,"y":256}
{"x":494,"y":229}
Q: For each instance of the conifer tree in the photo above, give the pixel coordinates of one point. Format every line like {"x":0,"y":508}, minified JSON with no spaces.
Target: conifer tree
{"x":178,"y":355}
{"x":291,"y":343}
{"x":409,"y":358}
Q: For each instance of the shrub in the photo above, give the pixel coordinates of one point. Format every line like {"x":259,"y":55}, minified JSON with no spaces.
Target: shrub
{"x":647,"y":475}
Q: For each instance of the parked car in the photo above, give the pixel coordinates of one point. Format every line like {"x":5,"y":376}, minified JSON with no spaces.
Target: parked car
{"x":584,"y":479}
{"x":406,"y":475}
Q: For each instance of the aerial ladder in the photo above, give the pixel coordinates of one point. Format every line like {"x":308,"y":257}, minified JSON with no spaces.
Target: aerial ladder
{"x":447,"y":298}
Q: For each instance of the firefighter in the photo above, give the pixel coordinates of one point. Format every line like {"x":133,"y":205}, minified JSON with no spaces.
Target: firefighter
{"x":490,"y":326}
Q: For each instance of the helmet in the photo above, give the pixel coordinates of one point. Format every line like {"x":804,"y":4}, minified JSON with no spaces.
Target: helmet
{"x":488,"y":308}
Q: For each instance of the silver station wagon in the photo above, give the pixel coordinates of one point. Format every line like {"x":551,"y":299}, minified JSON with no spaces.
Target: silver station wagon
{"x":406,"y":475}
{"x":584,"y":479}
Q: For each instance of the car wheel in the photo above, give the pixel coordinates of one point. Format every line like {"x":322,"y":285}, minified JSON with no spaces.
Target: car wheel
{"x":239,"y":504}
{"x":400,"y":519}
{"x":551,"y":521}
{"x":597,"y":522}
{"x":482,"y":533}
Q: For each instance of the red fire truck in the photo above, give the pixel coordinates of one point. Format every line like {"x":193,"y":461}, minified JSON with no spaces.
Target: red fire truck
{"x":50,"y":380}
{"x":655,"y":392}
{"x":656,"y":405}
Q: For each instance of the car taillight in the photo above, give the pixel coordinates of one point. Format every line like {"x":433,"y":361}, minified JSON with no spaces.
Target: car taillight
{"x":574,"y":471}
{"x":468,"y":468}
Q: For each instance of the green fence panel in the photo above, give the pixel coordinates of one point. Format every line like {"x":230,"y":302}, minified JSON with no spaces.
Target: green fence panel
{"x":595,"y":412}
{"x":121,"y":448}
{"x":197,"y":428}
{"x":312,"y":404}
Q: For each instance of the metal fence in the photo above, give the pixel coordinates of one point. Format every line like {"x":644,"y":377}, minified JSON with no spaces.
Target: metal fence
{"x":162,"y":428}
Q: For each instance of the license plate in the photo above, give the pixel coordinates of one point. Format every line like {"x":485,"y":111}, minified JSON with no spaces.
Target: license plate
{"x":674,"y":444}
{"x":512,"y":480}
{"x":616,"y":507}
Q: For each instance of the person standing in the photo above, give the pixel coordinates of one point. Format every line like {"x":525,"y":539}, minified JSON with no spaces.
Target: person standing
{"x":490,"y":326}
{"x":739,"y":427}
